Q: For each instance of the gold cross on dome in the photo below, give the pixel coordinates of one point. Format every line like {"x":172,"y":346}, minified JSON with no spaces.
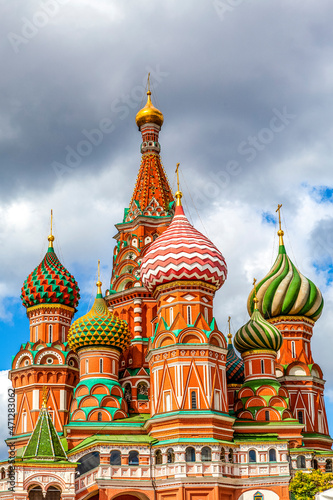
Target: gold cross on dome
{"x":278,"y":210}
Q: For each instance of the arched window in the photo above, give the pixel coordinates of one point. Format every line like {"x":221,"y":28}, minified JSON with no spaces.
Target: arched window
{"x":272,"y":455}
{"x":101,"y":365}
{"x":267,"y":415}
{"x":36,"y":493}
{"x":189,"y":315}
{"x":315,"y":464}
{"x":206,"y":454}
{"x":133,"y":458}
{"x":53,"y":493}
{"x":190,"y":454}
{"x":99,"y":416}
{"x":301,"y":462}
{"x":328,"y":465}
{"x":193,"y":400}
{"x":88,"y":462}
{"x":231,"y":456}
{"x":3,"y":473}
{"x":300,"y":417}
{"x":115,"y":457}
{"x":262,"y":363}
{"x":158,"y":457}
{"x":252,"y":456}
{"x":50,"y":334}
{"x":128,"y":392}
{"x":222,"y":455}
{"x":142,"y":391}
{"x":170,"y":456}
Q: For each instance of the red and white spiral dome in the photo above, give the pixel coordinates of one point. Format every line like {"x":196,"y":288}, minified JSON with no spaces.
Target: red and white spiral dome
{"x":182,"y":253}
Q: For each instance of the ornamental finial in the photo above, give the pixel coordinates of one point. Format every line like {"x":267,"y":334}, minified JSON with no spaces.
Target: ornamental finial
{"x":178,"y":194}
{"x":99,"y":283}
{"x":44,"y":397}
{"x":280,"y":232}
{"x":51,"y":237}
{"x":255,"y":300}
{"x":229,"y":334}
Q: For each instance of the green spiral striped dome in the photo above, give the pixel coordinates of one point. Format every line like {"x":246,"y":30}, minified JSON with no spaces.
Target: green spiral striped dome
{"x":257,"y":333}
{"x":285,"y":291}
{"x":99,"y":328}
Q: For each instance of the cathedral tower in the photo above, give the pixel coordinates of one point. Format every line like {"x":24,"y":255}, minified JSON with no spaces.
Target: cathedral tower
{"x":50,"y":295}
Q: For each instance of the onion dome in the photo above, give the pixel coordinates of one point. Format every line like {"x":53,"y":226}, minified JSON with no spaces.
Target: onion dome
{"x":234,"y":365}
{"x":149,"y":114}
{"x":99,"y":327}
{"x":50,"y":283}
{"x":285,"y":291}
{"x":257,"y":333}
{"x":182,"y":253}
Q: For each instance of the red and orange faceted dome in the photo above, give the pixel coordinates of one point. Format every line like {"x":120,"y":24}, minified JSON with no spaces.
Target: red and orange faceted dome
{"x":182,"y":253}
{"x":50,"y":283}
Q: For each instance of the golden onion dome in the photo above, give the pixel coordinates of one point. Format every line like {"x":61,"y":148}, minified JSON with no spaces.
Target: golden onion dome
{"x":149,"y":114}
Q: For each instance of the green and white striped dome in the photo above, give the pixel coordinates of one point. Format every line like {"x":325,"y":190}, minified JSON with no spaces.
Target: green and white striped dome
{"x":285,"y":291}
{"x":257,"y":333}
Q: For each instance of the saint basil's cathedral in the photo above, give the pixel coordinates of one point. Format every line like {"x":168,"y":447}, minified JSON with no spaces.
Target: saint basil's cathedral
{"x":144,"y":397}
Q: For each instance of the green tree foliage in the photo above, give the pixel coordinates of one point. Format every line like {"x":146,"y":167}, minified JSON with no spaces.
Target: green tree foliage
{"x":305,"y":486}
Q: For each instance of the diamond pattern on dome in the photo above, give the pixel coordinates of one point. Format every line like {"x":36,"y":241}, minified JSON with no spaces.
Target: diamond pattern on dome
{"x":50,"y":283}
{"x":99,"y":327}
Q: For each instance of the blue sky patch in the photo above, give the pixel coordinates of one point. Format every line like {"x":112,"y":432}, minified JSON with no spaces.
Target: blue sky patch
{"x":322,"y":194}
{"x":268,"y":218}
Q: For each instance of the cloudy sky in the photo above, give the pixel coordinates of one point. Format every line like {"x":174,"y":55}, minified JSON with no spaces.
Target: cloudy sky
{"x":246,"y":91}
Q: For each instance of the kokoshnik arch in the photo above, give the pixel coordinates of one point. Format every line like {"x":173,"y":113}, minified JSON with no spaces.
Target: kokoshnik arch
{"x":144,"y":397}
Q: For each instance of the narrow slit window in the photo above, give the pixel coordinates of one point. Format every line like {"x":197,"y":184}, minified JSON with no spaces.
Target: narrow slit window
{"x":189,"y":315}
{"x":87,"y":366}
{"x":193,"y":400}
{"x":101,"y":365}
{"x":171,"y":315}
{"x":262,"y":366}
{"x":50,"y":334}
{"x":63,"y":334}
{"x":293,"y":349}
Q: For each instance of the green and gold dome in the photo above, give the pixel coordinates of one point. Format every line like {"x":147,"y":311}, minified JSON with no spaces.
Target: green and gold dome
{"x":257,"y":333}
{"x":285,"y":291}
{"x":50,"y":283}
{"x":99,"y":327}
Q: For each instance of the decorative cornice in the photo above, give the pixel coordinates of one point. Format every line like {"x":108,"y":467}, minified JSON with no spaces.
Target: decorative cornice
{"x":50,"y":306}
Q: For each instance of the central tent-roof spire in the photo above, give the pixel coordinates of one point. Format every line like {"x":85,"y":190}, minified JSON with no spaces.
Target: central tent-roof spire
{"x":152,"y":195}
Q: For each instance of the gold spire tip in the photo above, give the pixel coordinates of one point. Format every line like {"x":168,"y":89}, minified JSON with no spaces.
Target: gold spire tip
{"x":178,"y":194}
{"x":229,"y":332}
{"x":51,"y":237}
{"x":99,"y":283}
{"x":255,"y":299}
{"x":44,"y":397}
{"x":280,"y":232}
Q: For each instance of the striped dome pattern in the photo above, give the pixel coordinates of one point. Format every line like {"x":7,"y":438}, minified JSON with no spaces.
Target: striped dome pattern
{"x":257,"y":333}
{"x":50,"y":283}
{"x":285,"y":291}
{"x":234,"y":367}
{"x":182,"y":253}
{"x":99,"y":328}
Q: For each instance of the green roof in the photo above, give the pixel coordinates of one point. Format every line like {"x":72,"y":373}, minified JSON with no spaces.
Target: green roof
{"x":116,"y":439}
{"x":44,"y":443}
